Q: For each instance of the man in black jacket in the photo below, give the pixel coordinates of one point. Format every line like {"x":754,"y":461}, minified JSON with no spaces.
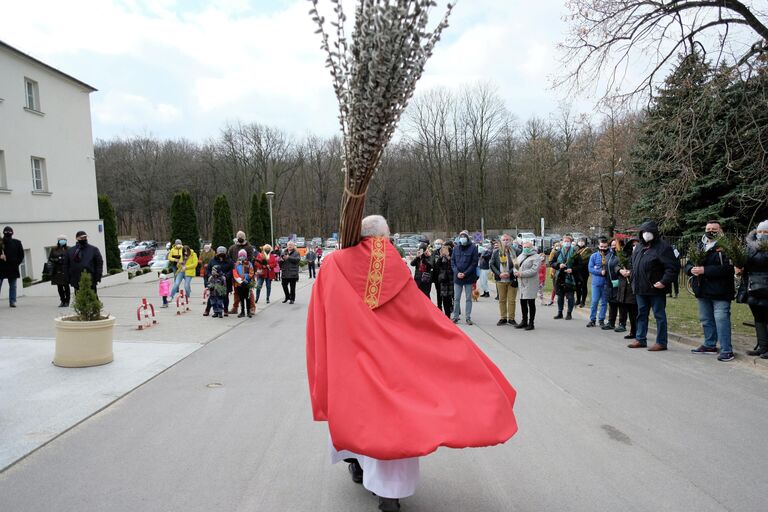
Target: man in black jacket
{"x":713,"y":287}
{"x":83,"y":257}
{"x":11,"y":256}
{"x":654,"y":267}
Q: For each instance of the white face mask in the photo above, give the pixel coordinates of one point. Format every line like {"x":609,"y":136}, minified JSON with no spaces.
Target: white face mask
{"x":647,"y":236}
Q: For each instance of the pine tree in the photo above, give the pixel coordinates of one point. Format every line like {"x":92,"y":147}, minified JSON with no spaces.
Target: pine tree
{"x":255,"y":224}
{"x":107,"y":214}
{"x":267,"y":228}
{"x":184,"y":221}
{"x":222,"y":222}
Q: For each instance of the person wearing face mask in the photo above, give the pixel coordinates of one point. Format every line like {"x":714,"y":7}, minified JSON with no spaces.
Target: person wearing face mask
{"x":754,"y":286}
{"x":565,"y":283}
{"x":174,"y":255}
{"x":187,"y":268}
{"x":223,"y":265}
{"x":581,"y":271}
{"x":56,"y":261}
{"x":551,"y":259}
{"x":436,"y":246}
{"x":612,"y":281}
{"x":241,"y":243}
{"x":265,"y":265}
{"x":624,"y":294}
{"x":83,"y":257}
{"x":422,"y":264}
{"x":289,"y":261}
{"x":11,"y":256}
{"x":444,"y":279}
{"x":527,"y":274}
{"x":503,"y":265}
{"x":713,"y":287}
{"x":484,"y":265}
{"x":242,"y":275}
{"x":598,"y":267}
{"x":654,"y":267}
{"x":464,"y":261}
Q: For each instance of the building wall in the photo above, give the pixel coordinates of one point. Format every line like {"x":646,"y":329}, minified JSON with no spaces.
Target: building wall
{"x":61,"y":134}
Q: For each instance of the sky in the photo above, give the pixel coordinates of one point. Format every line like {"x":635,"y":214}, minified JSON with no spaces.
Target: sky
{"x":183,"y":69}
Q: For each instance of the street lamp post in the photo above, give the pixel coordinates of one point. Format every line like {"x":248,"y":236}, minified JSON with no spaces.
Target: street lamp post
{"x":270,"y":195}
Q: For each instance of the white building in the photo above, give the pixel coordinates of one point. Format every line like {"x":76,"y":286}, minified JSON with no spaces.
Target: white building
{"x":47,"y":171}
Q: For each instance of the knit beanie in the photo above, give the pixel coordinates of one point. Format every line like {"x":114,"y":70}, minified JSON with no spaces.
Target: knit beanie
{"x":763,"y":226}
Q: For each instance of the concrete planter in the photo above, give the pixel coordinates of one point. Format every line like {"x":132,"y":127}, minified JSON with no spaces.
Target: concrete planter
{"x":80,"y":344}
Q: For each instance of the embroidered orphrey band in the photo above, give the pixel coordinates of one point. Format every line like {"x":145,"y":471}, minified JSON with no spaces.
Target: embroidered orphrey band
{"x":375,"y":273}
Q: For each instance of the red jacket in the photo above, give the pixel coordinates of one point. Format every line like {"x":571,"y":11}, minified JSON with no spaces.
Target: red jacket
{"x":392,"y":375}
{"x":265,"y":270}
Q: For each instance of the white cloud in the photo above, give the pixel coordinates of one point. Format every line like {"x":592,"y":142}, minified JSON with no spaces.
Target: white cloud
{"x":121,"y":109}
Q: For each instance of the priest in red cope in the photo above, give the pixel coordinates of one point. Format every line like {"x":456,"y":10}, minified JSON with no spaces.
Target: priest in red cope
{"x":394,"y":378}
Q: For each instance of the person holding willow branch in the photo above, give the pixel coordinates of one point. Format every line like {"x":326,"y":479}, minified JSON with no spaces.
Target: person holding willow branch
{"x":392,"y":376}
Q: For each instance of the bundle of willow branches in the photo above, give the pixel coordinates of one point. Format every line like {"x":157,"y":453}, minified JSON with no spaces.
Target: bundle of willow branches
{"x":374,"y":76}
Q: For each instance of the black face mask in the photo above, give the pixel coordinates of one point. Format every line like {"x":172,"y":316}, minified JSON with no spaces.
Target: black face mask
{"x":83,"y":242}
{"x":241,"y":240}
{"x":7,"y":234}
{"x":711,"y":235}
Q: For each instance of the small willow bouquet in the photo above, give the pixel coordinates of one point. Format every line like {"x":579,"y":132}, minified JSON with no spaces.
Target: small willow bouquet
{"x":734,"y":249}
{"x":696,"y":254}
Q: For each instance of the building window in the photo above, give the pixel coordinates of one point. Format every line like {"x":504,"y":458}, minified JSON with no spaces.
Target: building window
{"x":32,"y":94}
{"x":24,"y":269}
{"x":39,"y":178}
{"x":3,"y":175}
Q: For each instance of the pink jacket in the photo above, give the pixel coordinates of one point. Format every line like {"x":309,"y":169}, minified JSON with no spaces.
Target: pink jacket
{"x":164,"y":287}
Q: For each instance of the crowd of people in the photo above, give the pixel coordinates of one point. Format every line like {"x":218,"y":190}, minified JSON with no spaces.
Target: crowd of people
{"x":628,"y":278}
{"x":64,"y":266}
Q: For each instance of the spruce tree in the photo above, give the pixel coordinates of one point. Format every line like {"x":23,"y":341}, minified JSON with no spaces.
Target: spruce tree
{"x":184,"y":221}
{"x":222,"y":222}
{"x":266,"y":229}
{"x":107,"y":214}
{"x":255,"y":224}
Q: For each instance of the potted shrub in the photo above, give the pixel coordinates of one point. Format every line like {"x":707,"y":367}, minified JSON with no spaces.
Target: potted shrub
{"x":84,"y":339}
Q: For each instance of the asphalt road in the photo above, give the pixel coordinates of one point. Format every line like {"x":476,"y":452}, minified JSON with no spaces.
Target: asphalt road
{"x":602,"y":428}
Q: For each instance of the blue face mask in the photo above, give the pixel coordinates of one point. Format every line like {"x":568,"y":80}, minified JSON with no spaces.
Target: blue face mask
{"x":62,"y":243}
{"x":464,"y":241}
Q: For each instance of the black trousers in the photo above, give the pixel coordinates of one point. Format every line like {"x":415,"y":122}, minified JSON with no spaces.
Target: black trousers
{"x":426,"y":288}
{"x":445,"y":303}
{"x":613,"y":310}
{"x":528,"y":307}
{"x":311,"y":268}
{"x":289,"y":287}
{"x":64,"y":292}
{"x":675,"y":286}
{"x":628,"y":310}
{"x":561,"y":298}
{"x":582,"y":280}
{"x":242,"y":294}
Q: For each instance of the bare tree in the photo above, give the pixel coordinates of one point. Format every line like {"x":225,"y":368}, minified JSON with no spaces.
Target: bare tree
{"x":607,"y":38}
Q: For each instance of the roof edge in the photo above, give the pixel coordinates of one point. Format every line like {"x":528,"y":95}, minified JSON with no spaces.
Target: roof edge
{"x":46,"y":66}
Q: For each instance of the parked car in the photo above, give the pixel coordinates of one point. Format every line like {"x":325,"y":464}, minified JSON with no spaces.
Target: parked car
{"x":526,"y":235}
{"x":317,"y":241}
{"x":131,"y":266}
{"x":142,"y":257}
{"x":282,"y":241}
{"x":159,"y":261}
{"x":331,"y":243}
{"x":300,"y":241}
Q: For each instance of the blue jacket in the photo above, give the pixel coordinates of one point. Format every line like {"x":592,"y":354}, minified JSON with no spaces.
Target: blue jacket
{"x":464,"y":259}
{"x":596,"y":269}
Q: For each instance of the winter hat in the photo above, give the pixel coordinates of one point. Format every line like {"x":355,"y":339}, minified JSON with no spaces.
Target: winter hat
{"x":177,"y":242}
{"x":80,"y":233}
{"x":221,"y":250}
{"x":8,"y":229}
{"x":242,"y":254}
{"x":763,"y":226}
{"x":61,"y":237}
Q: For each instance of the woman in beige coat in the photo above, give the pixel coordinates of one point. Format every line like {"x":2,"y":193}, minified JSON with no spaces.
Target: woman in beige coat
{"x":528,"y":278}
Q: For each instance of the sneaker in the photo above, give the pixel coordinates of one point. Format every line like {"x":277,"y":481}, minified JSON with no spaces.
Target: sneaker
{"x":756,"y":352}
{"x":241,"y":315}
{"x":726,"y":356}
{"x":703,"y":349}
{"x":620,"y":328}
{"x":469,"y":321}
{"x":569,"y":316}
{"x":608,"y":327}
{"x":455,"y":320}
{"x":502,"y":321}
{"x":602,"y":323}
{"x":164,"y":306}
{"x":591,"y":324}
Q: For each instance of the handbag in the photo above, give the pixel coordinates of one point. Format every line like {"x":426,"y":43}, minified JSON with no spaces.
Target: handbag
{"x":757,"y":285}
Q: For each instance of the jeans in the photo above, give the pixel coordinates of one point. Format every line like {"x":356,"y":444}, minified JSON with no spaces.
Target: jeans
{"x":11,"y":290}
{"x":311,"y":268}
{"x":644,"y":304}
{"x":260,"y":282}
{"x":457,"y":291}
{"x":483,"y":281}
{"x":561,"y":298}
{"x":187,"y":280}
{"x":599,"y":296}
{"x":715,"y":316}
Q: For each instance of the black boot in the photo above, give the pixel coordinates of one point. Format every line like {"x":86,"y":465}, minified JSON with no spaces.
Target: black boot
{"x":761,"y":328}
{"x":523,"y":324}
{"x":529,"y":327}
{"x":356,"y":471}
{"x":389,"y":504}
